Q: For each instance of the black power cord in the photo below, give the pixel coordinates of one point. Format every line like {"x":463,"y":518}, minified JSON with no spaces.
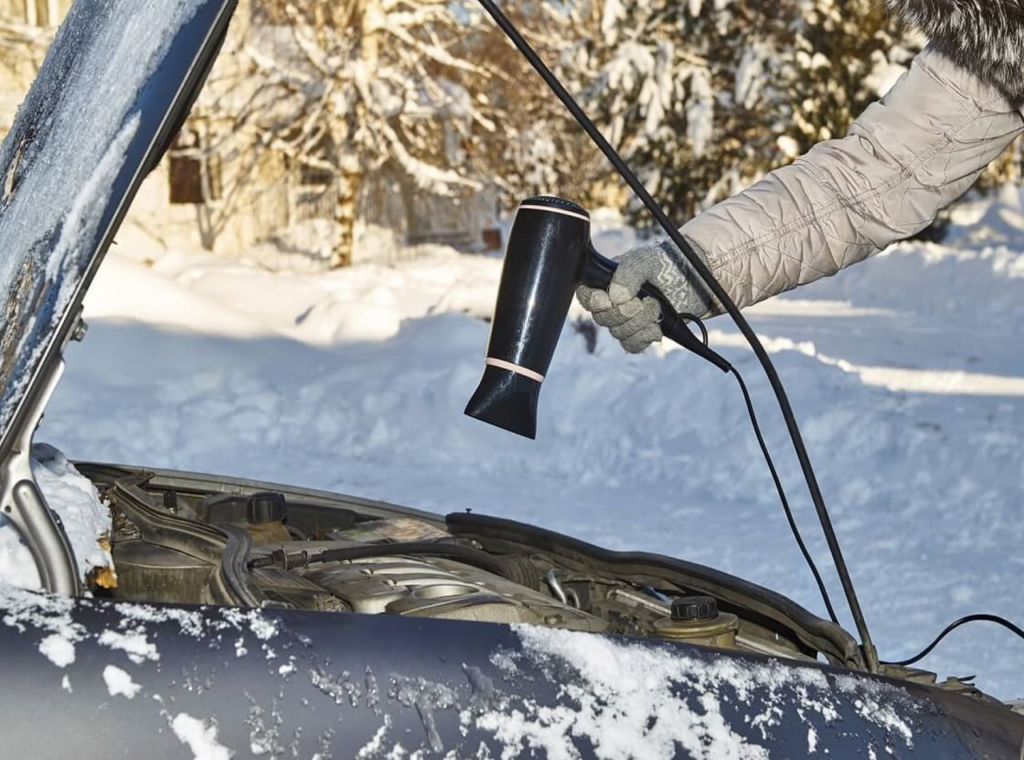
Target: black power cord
{"x":695,"y":261}
{"x":782,"y":497}
{"x":979,"y":618}
{"x":695,"y":320}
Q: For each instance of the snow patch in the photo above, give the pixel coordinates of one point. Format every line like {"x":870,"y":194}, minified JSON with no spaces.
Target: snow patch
{"x":200,"y":738}
{"x":17,"y":567}
{"x":58,"y":650}
{"x":24,"y":610}
{"x":264,"y":628}
{"x":191,"y":623}
{"x":375,"y":746}
{"x":119,"y":682}
{"x":85,"y":517}
{"x":135,"y":644}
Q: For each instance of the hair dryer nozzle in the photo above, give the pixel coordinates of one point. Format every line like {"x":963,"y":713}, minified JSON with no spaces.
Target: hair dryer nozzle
{"x":507,"y":400}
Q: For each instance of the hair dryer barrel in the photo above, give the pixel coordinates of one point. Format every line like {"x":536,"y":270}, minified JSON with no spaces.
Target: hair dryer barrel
{"x":544,"y":259}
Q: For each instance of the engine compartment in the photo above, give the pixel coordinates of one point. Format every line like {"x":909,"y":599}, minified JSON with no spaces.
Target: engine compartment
{"x":189,"y":539}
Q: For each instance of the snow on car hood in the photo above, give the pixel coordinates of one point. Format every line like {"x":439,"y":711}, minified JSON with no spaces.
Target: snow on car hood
{"x":58,"y":165}
{"x":633,"y":700}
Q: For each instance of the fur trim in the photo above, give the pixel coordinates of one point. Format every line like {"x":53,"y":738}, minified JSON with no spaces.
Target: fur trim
{"x":984,"y":36}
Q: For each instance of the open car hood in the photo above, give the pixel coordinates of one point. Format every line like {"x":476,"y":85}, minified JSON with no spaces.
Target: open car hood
{"x":115,"y":87}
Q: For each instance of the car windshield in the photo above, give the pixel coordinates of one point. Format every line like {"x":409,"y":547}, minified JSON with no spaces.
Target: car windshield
{"x":58,"y":166}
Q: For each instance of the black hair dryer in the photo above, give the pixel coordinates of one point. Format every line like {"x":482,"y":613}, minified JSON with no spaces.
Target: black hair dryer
{"x":549,"y":254}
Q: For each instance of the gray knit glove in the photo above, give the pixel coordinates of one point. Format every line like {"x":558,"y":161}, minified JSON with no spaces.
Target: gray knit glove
{"x":633,"y":321}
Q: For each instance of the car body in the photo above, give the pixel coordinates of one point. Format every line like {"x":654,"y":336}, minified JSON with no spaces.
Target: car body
{"x":255,"y":619}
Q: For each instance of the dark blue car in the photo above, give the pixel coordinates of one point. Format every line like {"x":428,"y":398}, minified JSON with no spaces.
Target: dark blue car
{"x":252,"y":619}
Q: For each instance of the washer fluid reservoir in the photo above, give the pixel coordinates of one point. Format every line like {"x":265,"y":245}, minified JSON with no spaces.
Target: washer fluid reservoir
{"x":696,"y":620}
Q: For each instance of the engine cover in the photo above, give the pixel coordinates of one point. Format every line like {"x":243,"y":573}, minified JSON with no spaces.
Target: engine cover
{"x":444,"y":589}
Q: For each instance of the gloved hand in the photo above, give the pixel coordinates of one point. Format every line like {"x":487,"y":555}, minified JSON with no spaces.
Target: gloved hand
{"x":633,"y":321}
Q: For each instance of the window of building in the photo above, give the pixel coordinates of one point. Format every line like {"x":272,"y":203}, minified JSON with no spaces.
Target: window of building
{"x":195,"y":178}
{"x":318,"y":176}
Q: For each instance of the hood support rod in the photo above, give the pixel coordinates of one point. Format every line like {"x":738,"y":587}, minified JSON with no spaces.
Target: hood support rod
{"x":868,"y":648}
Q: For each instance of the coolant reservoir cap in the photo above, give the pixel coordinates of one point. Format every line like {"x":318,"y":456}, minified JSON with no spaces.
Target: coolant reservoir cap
{"x":693,"y":608}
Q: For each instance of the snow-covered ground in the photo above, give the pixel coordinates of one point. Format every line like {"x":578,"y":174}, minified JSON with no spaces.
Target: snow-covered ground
{"x":907,"y":374}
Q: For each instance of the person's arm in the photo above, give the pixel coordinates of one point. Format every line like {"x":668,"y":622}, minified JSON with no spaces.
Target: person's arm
{"x":905,"y":159}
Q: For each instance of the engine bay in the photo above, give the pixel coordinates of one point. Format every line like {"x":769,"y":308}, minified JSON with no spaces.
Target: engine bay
{"x":200,"y":540}
{"x":196,"y":540}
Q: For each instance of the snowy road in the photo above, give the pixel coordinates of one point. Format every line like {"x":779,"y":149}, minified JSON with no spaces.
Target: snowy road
{"x":911,"y":399}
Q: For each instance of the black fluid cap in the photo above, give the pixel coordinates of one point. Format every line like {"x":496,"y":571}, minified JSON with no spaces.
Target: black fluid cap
{"x":266,"y":507}
{"x":690,"y":609}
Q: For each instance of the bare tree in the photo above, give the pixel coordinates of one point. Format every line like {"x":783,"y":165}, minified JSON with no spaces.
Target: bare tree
{"x":341,"y":89}
{"x":428,"y":91}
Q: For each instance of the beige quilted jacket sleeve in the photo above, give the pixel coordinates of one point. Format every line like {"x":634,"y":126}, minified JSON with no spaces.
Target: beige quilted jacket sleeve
{"x":905,"y":159}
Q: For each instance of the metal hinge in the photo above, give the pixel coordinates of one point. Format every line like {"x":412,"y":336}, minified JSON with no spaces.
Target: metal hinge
{"x":24,"y":504}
